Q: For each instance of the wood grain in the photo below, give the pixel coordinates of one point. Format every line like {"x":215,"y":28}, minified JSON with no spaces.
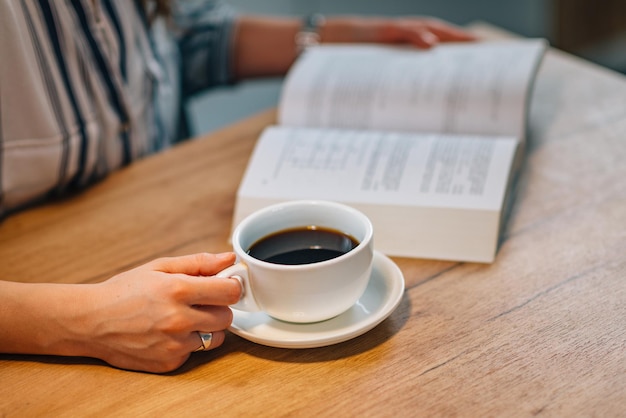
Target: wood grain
{"x":542,"y":331}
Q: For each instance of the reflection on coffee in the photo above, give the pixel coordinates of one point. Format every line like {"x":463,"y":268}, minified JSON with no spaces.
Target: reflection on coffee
{"x":303,"y":245}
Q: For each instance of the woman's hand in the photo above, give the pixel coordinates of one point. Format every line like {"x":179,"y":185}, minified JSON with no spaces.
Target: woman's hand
{"x":145,"y":319}
{"x":421,"y":32}
{"x":148,"y":318}
{"x":265,"y":45}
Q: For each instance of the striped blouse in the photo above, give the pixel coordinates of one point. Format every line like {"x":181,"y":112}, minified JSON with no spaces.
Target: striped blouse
{"x":87,"y":86}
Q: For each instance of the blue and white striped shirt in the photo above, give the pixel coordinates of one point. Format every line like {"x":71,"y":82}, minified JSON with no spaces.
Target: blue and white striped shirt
{"x":87,"y":86}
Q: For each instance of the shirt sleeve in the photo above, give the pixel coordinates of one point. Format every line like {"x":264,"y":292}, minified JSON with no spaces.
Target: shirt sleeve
{"x":204,"y":35}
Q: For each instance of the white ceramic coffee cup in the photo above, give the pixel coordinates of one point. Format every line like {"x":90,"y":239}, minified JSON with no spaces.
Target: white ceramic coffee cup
{"x":304,"y":292}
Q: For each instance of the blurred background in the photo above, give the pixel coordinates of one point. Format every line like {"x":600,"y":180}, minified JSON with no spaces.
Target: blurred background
{"x":591,"y":29}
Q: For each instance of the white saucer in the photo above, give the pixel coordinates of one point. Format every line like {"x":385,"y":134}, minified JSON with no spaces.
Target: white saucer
{"x":381,"y":297}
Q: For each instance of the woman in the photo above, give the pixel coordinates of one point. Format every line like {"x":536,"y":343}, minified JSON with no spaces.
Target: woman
{"x":87,"y":87}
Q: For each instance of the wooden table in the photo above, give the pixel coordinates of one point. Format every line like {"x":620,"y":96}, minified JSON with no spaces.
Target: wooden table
{"x":542,"y":331}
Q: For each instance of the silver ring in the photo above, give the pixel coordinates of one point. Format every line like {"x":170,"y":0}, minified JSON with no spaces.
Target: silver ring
{"x":206,"y":338}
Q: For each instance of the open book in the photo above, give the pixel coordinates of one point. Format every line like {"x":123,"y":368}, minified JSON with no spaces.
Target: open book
{"x":426,"y":143}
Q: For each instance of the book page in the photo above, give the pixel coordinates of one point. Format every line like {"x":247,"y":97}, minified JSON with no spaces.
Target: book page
{"x":465,"y":88}
{"x":380,"y":168}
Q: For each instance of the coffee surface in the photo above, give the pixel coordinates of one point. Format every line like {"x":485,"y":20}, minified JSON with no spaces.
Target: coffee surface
{"x":303,"y":245}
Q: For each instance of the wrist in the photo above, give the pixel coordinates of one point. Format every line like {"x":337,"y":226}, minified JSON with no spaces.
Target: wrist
{"x":69,"y":313}
{"x":352,"y":30}
{"x":310,"y":32}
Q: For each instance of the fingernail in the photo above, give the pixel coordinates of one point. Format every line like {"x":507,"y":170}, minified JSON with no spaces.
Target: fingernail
{"x":430,"y":38}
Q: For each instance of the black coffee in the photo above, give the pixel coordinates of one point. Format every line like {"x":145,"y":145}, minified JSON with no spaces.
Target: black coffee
{"x":303,"y":245}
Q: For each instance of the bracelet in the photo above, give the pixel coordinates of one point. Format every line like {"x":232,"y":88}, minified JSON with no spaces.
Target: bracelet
{"x":309,"y":33}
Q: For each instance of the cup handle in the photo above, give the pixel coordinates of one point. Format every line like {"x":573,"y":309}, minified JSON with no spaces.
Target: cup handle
{"x":239,"y":271}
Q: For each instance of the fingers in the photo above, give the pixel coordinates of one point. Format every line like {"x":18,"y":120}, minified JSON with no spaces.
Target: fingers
{"x":210,"y":318}
{"x":195,"y":342}
{"x":221,"y":291}
{"x":201,"y":264}
{"x":423,"y":33}
{"x":213,"y":320}
{"x":423,"y":38}
{"x":190,"y":278}
{"x":446,"y":32}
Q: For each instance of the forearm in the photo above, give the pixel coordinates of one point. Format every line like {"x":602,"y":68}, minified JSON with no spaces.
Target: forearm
{"x":147,"y":318}
{"x":265,"y":46}
{"x":42,"y":318}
